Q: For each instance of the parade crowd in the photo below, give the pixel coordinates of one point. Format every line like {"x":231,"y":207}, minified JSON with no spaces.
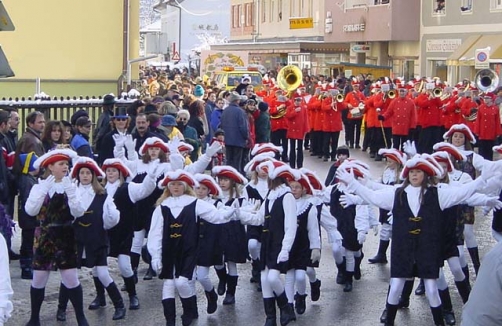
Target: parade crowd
{"x":192,"y":177}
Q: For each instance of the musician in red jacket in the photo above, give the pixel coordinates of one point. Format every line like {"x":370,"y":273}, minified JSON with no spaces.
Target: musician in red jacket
{"x":316,"y":123}
{"x":298,"y":126}
{"x":370,"y":118}
{"x":487,"y":126}
{"x":403,"y":113}
{"x":353,"y":100}
{"x":279,"y":124}
{"x":383,"y":137}
{"x":332,"y":124}
{"x":432,"y":132}
{"x":468,"y":109}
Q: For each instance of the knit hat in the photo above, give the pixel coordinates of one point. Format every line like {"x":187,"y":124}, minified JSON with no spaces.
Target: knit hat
{"x":27,"y":161}
{"x":78,"y":114}
{"x":263,"y":106}
{"x":168,"y":121}
{"x":83,"y":121}
{"x":234,"y":96}
{"x":198,"y":91}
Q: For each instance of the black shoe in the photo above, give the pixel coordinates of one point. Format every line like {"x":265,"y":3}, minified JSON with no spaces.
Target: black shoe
{"x":403,"y":302}
{"x":420,"y":290}
{"x":300,"y":305}
{"x":437,"y":315}
{"x":131,"y":290}
{"x":313,"y":154}
{"x":383,"y":316}
{"x":150,"y":273}
{"x":287,"y":311}
{"x":118,"y":302}
{"x":340,"y":276}
{"x":100,"y":300}
{"x":364,"y":149}
{"x":449,"y":317}
{"x":391,"y":311}
{"x":315,"y":289}
{"x":348,"y":281}
{"x":61,"y":315}
{"x":231,"y":286}
{"x":378,"y":158}
{"x":133,"y":302}
{"x":381,"y":257}
{"x":333,"y":159}
{"x":372,"y":155}
{"x":319,"y":156}
{"x":351,"y":146}
{"x":212,"y":301}
{"x":358,"y":147}
{"x":325,"y":159}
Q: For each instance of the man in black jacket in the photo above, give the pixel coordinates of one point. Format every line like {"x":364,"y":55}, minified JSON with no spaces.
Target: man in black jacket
{"x":103,"y":125}
{"x":5,"y":180}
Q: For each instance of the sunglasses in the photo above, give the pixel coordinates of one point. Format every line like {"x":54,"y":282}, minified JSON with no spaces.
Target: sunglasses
{"x":121,"y":119}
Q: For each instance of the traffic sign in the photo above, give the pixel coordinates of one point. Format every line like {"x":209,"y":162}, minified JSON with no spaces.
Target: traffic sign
{"x":482,"y":58}
{"x":176,"y":56}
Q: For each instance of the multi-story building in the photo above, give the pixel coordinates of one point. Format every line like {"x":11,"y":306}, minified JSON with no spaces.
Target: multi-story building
{"x":380,"y":32}
{"x":453,"y":31}
{"x":74,"y":47}
{"x":188,"y":24}
{"x":280,"y":32}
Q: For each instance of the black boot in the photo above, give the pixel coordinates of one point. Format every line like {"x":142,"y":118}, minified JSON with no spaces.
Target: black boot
{"x":189,"y":315}
{"x":255,"y":271}
{"x":404,"y":299}
{"x":118,"y":302}
{"x":381,"y":256}
{"x":100,"y":300}
{"x":26,"y":270}
{"x":62,"y":303}
{"x":222,"y":277}
{"x":300,"y":305}
{"x":383,"y":316}
{"x":420,"y":290}
{"x":448,"y":315}
{"x":231,"y":285}
{"x":270,"y":311}
{"x":391,"y":314}
{"x":169,"y":311}
{"x":466,"y":273}
{"x":212,"y":301}
{"x":131,"y":291}
{"x":134,"y":264}
{"x":348,"y":281}
{"x":315,"y":290}
{"x":474,"y":253}
{"x":437,"y":315}
{"x":287,"y":311}
{"x":77,"y":300}
{"x":357,"y":267}
{"x":464,"y":289}
{"x":340,"y":277}
{"x":36,"y":298}
{"x":150,"y":274}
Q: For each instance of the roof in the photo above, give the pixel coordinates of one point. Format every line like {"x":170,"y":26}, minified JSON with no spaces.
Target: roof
{"x":154,"y":27}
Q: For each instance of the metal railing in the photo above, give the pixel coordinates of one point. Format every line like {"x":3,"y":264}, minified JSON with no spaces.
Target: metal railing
{"x":58,"y":108}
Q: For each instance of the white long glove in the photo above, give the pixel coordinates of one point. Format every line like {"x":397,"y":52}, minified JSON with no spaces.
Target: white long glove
{"x":212,"y":150}
{"x":361,"y":237}
{"x":494,"y":203}
{"x":46,"y":185}
{"x":347,"y":200}
{"x":119,"y":140}
{"x":173,"y":146}
{"x":156,"y":265}
{"x":345,"y":177}
{"x":69,"y":187}
{"x":410,"y":149}
{"x":315,"y":256}
{"x":283,"y":256}
{"x":130,"y":144}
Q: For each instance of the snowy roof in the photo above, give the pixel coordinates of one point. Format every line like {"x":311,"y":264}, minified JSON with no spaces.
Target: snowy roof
{"x":152,"y":28}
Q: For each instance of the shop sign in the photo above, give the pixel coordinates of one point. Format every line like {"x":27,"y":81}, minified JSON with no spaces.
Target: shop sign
{"x":443,"y":45}
{"x":360,"y":48}
{"x":354,"y":28}
{"x":300,"y":23}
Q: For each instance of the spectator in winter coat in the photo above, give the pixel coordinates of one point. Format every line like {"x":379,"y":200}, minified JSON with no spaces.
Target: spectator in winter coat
{"x":216,"y":114}
{"x":234,"y":124}
{"x":80,"y":142}
{"x":103,"y":124}
{"x":262,"y":124}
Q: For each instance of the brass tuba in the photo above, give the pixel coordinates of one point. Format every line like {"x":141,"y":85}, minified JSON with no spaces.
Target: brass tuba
{"x":486,"y":80}
{"x":339,"y":98}
{"x":437,"y":92}
{"x":289,"y":78}
{"x":391,"y":94}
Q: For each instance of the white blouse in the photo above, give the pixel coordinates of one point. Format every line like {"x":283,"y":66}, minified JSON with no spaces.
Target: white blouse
{"x":6,"y":292}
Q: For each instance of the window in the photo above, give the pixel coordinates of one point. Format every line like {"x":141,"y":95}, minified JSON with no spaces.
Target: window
{"x":466,"y":6}
{"x":439,"y":7}
{"x":292,"y":8}
{"x":249,"y":14}
{"x":271,"y":11}
{"x":496,"y":5}
{"x":241,"y":16}
{"x":382,"y":2}
{"x":235,"y":16}
{"x":263,"y":11}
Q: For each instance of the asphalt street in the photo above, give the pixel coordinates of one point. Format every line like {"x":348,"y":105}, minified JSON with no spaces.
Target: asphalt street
{"x":362,"y":306}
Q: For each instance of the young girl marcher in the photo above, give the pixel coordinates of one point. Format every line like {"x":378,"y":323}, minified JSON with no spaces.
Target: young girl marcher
{"x":55,"y":204}
{"x":173,"y":240}
{"x":417,"y":230}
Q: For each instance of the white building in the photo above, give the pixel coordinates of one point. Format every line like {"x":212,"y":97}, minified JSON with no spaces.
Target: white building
{"x":185,"y":24}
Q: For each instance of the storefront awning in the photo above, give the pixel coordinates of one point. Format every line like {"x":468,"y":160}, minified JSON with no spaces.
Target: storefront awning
{"x":284,"y":47}
{"x":464,"y":56}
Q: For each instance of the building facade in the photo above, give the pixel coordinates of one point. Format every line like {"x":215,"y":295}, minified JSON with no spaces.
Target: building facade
{"x":75,"y":48}
{"x":189,"y":24}
{"x":451,"y":32}
{"x":380,"y":32}
{"x":280,"y":32}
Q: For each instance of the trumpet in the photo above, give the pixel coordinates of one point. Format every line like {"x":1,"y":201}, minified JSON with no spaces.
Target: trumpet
{"x":391,"y":94}
{"x":437,"y":92}
{"x":339,"y":98}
